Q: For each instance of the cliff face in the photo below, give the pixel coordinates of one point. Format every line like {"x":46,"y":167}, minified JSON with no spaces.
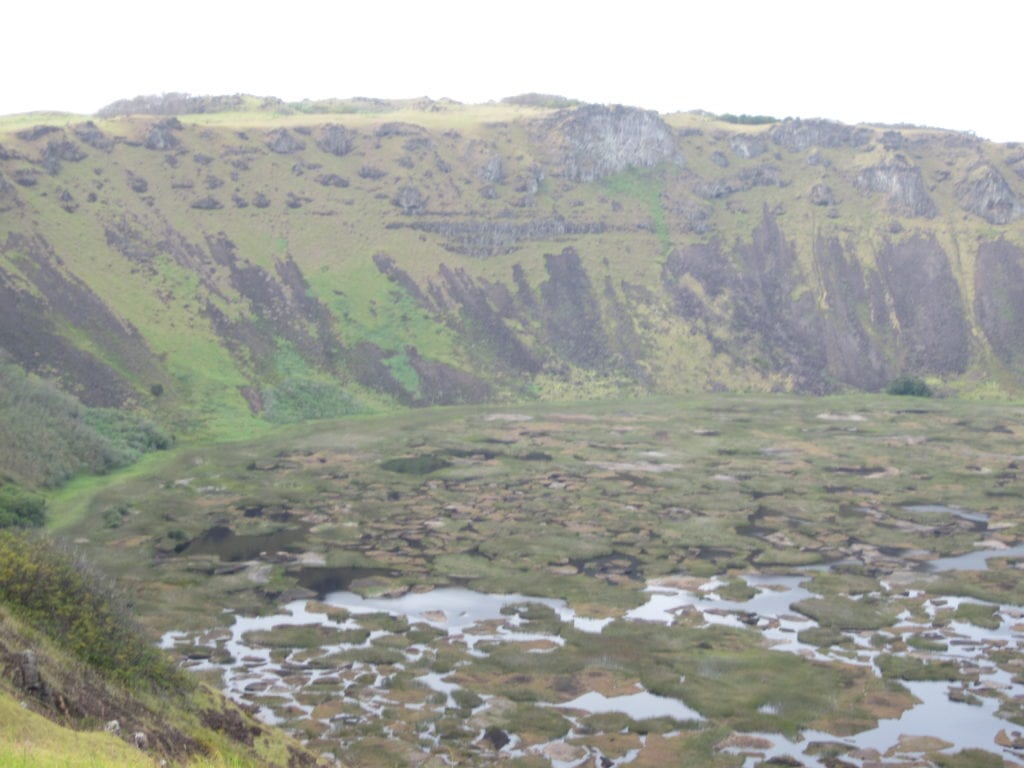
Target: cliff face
{"x":433,"y":253}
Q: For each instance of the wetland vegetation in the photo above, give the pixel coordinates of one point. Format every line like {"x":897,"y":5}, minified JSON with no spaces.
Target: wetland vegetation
{"x":719,"y":580}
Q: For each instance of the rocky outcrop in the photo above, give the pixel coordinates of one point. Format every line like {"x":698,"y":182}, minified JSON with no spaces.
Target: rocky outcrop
{"x":931,"y":325}
{"x":755,"y":292}
{"x":481,"y":315}
{"x":161,"y":137}
{"x":595,"y":141}
{"x":335,"y":139}
{"x":410,"y":200}
{"x":798,"y":135}
{"x":748,"y":146}
{"x":570,"y":311}
{"x":443,"y":384}
{"x":8,"y":195}
{"x":985,"y":193}
{"x":483,"y":238}
{"x":89,"y":134}
{"x":764,"y":175}
{"x":821,"y":194}
{"x":999,"y":299}
{"x":901,"y":182}
{"x":58,"y":151}
{"x":859,"y":338}
{"x":283,"y":142}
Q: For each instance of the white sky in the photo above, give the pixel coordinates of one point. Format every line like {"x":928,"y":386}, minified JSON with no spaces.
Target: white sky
{"x":928,"y":62}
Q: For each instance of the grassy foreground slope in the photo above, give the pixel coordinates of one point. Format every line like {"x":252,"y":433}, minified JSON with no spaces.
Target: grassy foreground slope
{"x":82,"y":685}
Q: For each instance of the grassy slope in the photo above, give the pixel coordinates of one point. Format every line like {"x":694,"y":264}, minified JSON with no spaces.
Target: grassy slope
{"x":333,"y":236}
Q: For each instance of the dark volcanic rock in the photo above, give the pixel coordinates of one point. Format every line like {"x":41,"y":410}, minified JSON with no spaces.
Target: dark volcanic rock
{"x":32,"y":323}
{"x":985,"y":193}
{"x":748,"y":146}
{"x":36,"y":132}
{"x":857,"y":328}
{"x":8,"y":195}
{"x":138,"y":184}
{"x":597,"y":141}
{"x":493,"y":170}
{"x":26,"y":177}
{"x":490,"y":237}
{"x":335,"y":139}
{"x":410,"y":200}
{"x":441,"y":384}
{"x":765,"y":175}
{"x":999,"y":300}
{"x":772,"y":319}
{"x":208,"y":203}
{"x":482,"y":315}
{"x":332,"y":180}
{"x":58,"y":151}
{"x":932,"y":328}
{"x":161,"y":136}
{"x":769,"y":305}
{"x":283,"y":142}
{"x":821,"y":194}
{"x":903,"y":185}
{"x":386,"y":130}
{"x":797,"y":135}
{"x":570,"y":310}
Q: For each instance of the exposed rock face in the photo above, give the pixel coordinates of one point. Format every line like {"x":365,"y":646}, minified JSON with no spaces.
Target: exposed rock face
{"x":25,"y":674}
{"x":482,"y":315}
{"x":30,"y":332}
{"x":58,"y":151}
{"x":283,"y":142}
{"x":764,"y":175}
{"x":88,"y":133}
{"x":821,"y":194}
{"x":484,"y":238}
{"x":570,"y":310}
{"x":999,"y":299}
{"x":797,"y":135}
{"x":493,"y":170}
{"x":441,"y":384}
{"x":760,"y":278}
{"x":984,"y":192}
{"x":208,"y":203}
{"x":932,"y":327}
{"x":332,"y":180}
{"x":410,"y":200}
{"x":902,"y":183}
{"x":748,"y":146}
{"x":857,"y":330}
{"x":597,"y":141}
{"x":8,"y":195}
{"x":36,"y":132}
{"x":161,"y":136}
{"x":335,"y":139}
{"x":709,"y":262}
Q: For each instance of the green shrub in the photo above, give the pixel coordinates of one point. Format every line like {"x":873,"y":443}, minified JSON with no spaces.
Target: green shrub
{"x":298,"y":399}
{"x":20,"y":508}
{"x":59,"y":595}
{"x":47,"y":436}
{"x":909,"y":385}
{"x":744,"y":119}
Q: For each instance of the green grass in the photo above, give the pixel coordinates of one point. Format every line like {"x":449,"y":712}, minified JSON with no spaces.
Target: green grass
{"x":29,"y":740}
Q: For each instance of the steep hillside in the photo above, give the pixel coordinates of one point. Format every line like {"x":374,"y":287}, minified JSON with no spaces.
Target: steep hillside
{"x":81,"y":684}
{"x":258,"y":262}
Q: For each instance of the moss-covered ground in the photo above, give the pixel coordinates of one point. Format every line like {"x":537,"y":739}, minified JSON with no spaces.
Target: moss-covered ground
{"x":586,"y":503}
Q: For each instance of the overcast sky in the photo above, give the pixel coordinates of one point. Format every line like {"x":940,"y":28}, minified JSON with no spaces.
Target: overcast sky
{"x":950,"y":65}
